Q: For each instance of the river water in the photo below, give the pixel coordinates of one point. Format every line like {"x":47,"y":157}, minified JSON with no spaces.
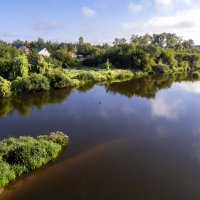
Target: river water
{"x":138,"y":139}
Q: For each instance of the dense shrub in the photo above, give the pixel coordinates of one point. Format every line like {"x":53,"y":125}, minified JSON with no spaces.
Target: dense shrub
{"x":58,"y":79}
{"x":161,"y":68}
{"x":5,"y":89}
{"x":17,"y":85}
{"x":38,"y":64}
{"x":87,"y":77}
{"x":65,"y":58}
{"x":6,"y":174}
{"x":23,"y":154}
{"x":196,"y":74}
{"x":35,"y":82}
{"x":19,"y":66}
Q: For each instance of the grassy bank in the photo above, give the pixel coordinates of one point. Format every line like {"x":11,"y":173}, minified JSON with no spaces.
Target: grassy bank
{"x":63,"y":78}
{"x":24,"y":154}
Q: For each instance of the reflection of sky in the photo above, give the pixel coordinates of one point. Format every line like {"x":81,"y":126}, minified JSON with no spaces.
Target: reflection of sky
{"x":193,"y":87}
{"x":169,"y":109}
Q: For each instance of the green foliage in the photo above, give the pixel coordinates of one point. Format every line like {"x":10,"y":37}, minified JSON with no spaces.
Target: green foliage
{"x":108,"y":64}
{"x":19,"y":66}
{"x":196,"y":74}
{"x":58,"y":79}
{"x":17,"y":85}
{"x":38,"y":64}
{"x":35,"y":82}
{"x":24,"y":154}
{"x":65,"y":58}
{"x":6,"y":174}
{"x":158,"y":53}
{"x":5,"y":89}
{"x":161,"y":68}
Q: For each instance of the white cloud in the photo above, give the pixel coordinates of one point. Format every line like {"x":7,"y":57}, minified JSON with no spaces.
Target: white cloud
{"x":183,"y":23}
{"x":135,"y":8}
{"x":160,"y":107}
{"x":166,"y":4}
{"x":88,"y":12}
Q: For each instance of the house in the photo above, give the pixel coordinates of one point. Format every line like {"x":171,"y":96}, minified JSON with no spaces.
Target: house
{"x":43,"y":52}
{"x":24,"y":48}
{"x":72,"y":54}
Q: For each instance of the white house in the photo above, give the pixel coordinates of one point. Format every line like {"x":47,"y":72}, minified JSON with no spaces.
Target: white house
{"x":43,"y":52}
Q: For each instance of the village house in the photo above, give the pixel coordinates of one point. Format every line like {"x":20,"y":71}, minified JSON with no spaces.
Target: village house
{"x":43,"y":52}
{"x":72,"y":54}
{"x":24,"y":48}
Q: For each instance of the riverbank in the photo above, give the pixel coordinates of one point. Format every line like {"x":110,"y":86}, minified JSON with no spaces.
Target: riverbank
{"x":74,"y":79}
{"x":25,"y":154}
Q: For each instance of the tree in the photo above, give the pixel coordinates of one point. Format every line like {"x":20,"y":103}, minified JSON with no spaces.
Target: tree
{"x":81,"y":41}
{"x":187,"y":44}
{"x":119,"y":41}
{"x":19,"y":66}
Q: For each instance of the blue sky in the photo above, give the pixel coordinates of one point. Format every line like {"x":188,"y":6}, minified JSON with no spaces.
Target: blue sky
{"x":98,"y":21}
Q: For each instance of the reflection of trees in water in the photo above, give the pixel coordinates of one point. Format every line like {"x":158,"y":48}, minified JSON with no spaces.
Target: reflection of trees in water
{"x":24,"y":103}
{"x":85,"y":87}
{"x":144,"y":87}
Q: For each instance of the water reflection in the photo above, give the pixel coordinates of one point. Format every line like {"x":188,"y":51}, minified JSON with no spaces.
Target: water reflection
{"x":169,"y":109}
{"x":120,"y":148}
{"x":193,"y":87}
{"x":23,"y":104}
{"x":145,"y":87}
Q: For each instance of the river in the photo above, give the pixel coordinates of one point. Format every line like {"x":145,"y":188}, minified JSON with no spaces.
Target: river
{"x":138,"y":139}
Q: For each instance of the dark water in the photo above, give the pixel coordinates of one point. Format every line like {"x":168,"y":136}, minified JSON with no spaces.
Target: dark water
{"x":134,"y":140}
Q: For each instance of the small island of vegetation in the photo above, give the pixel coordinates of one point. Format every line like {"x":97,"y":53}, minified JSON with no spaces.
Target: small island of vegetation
{"x":39,"y":65}
{"x":24,"y":154}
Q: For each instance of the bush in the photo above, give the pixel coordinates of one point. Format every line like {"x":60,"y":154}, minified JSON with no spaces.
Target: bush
{"x":23,"y":154}
{"x":5,"y":88}
{"x":196,"y":74}
{"x":19,"y":66}
{"x":6,"y":174}
{"x":35,"y":82}
{"x":87,"y":77}
{"x":58,"y":79}
{"x":65,"y":58}
{"x":161,"y":68}
{"x":17,"y":85}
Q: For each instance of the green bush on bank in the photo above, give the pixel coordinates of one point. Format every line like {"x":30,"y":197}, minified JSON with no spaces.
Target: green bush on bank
{"x":5,"y":87}
{"x":35,"y":82}
{"x":23,"y":154}
{"x":58,"y":79}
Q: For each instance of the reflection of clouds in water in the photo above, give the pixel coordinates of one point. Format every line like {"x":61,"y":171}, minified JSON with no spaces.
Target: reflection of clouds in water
{"x":167,"y":108}
{"x":193,"y":87}
{"x":161,"y":131}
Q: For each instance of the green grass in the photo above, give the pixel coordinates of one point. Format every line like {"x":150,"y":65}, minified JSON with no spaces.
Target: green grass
{"x":24,"y":154}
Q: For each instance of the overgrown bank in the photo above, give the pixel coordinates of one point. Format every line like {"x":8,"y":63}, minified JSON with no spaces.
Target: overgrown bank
{"x":24,"y":154}
{"x":62,"y":78}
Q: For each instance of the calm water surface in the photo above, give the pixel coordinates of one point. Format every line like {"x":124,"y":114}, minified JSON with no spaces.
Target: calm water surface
{"x":134,"y":140}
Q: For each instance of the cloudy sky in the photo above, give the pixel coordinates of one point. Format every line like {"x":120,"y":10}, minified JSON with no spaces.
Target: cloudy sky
{"x":98,"y":21}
